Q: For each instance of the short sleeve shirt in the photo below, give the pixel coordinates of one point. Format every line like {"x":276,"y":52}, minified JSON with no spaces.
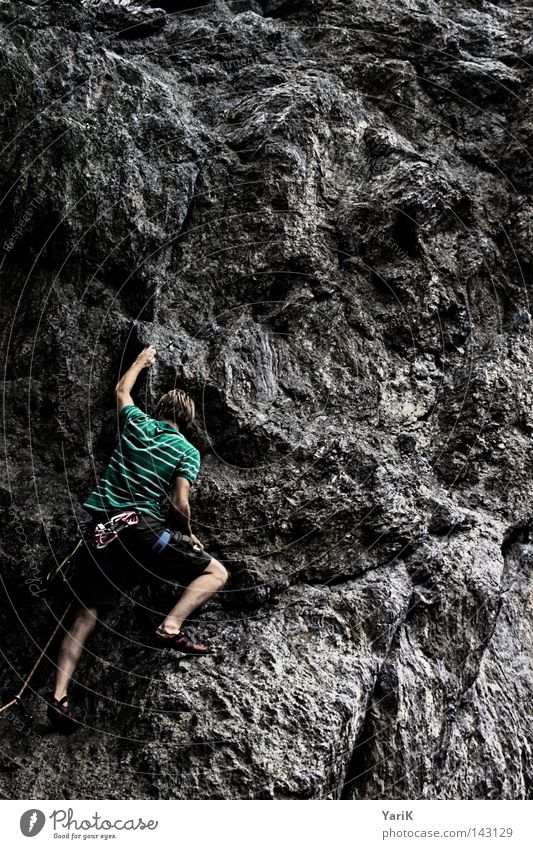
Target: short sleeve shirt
{"x":150,"y":454}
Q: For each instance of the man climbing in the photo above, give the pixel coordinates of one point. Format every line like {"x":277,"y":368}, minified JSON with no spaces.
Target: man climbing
{"x":152,"y":466}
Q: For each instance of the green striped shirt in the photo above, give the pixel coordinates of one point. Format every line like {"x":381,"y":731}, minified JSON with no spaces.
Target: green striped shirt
{"x":149,"y":455}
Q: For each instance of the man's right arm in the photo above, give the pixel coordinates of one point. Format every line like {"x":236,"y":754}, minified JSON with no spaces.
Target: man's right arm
{"x":127,"y":381}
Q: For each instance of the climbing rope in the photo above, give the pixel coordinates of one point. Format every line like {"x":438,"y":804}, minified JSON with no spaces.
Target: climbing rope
{"x":103,"y":535}
{"x":53,"y":572}
{"x":17,"y":700}
{"x":18,"y":697}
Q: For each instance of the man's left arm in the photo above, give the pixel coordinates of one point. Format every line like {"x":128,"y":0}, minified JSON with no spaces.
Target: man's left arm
{"x":180,"y":510}
{"x":127,"y":381}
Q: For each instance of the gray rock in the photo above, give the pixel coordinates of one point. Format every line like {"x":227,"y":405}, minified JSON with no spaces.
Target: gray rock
{"x":319,"y":215}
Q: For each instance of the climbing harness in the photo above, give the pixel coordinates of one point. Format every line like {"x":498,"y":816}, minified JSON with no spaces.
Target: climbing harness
{"x":106,"y":532}
{"x":17,"y":700}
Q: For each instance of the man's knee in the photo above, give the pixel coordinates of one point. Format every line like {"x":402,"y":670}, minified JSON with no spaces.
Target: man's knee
{"x":218,"y":571}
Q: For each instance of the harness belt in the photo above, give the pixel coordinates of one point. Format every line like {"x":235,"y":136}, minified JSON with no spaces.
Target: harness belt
{"x":163,"y":540}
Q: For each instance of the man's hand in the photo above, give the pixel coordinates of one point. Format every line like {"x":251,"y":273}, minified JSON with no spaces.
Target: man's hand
{"x":147,"y":356}
{"x":127,"y":381}
{"x":197,"y":541}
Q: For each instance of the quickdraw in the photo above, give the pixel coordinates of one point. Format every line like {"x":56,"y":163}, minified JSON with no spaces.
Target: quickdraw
{"x":104,"y":533}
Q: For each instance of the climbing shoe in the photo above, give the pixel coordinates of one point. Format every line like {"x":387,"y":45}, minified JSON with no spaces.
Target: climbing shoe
{"x":60,"y":716}
{"x":179,"y":642}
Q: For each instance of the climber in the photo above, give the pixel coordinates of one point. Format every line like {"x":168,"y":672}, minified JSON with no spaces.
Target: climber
{"x":152,"y":468}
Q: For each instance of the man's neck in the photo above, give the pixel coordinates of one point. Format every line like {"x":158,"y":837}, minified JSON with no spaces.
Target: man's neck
{"x":173,"y":424}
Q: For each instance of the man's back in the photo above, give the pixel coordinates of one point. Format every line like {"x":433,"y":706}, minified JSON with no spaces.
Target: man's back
{"x":149,"y":455}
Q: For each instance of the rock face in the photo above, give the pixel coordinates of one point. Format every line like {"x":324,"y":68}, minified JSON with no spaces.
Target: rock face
{"x":318,"y":214}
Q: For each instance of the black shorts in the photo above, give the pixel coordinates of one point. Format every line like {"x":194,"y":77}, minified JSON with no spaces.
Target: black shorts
{"x":137,"y":554}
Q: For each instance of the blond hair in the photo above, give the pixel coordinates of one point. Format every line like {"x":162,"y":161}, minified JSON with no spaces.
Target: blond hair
{"x":176,"y":406}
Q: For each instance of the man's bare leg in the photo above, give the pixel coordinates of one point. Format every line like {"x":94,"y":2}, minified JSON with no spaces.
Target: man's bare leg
{"x":71,"y":648}
{"x":196,"y":594}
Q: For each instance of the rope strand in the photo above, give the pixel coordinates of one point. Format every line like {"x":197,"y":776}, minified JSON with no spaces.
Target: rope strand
{"x":36,"y":664}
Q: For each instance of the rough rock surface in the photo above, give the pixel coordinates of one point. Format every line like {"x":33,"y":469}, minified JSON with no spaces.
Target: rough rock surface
{"x":319,"y":214}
